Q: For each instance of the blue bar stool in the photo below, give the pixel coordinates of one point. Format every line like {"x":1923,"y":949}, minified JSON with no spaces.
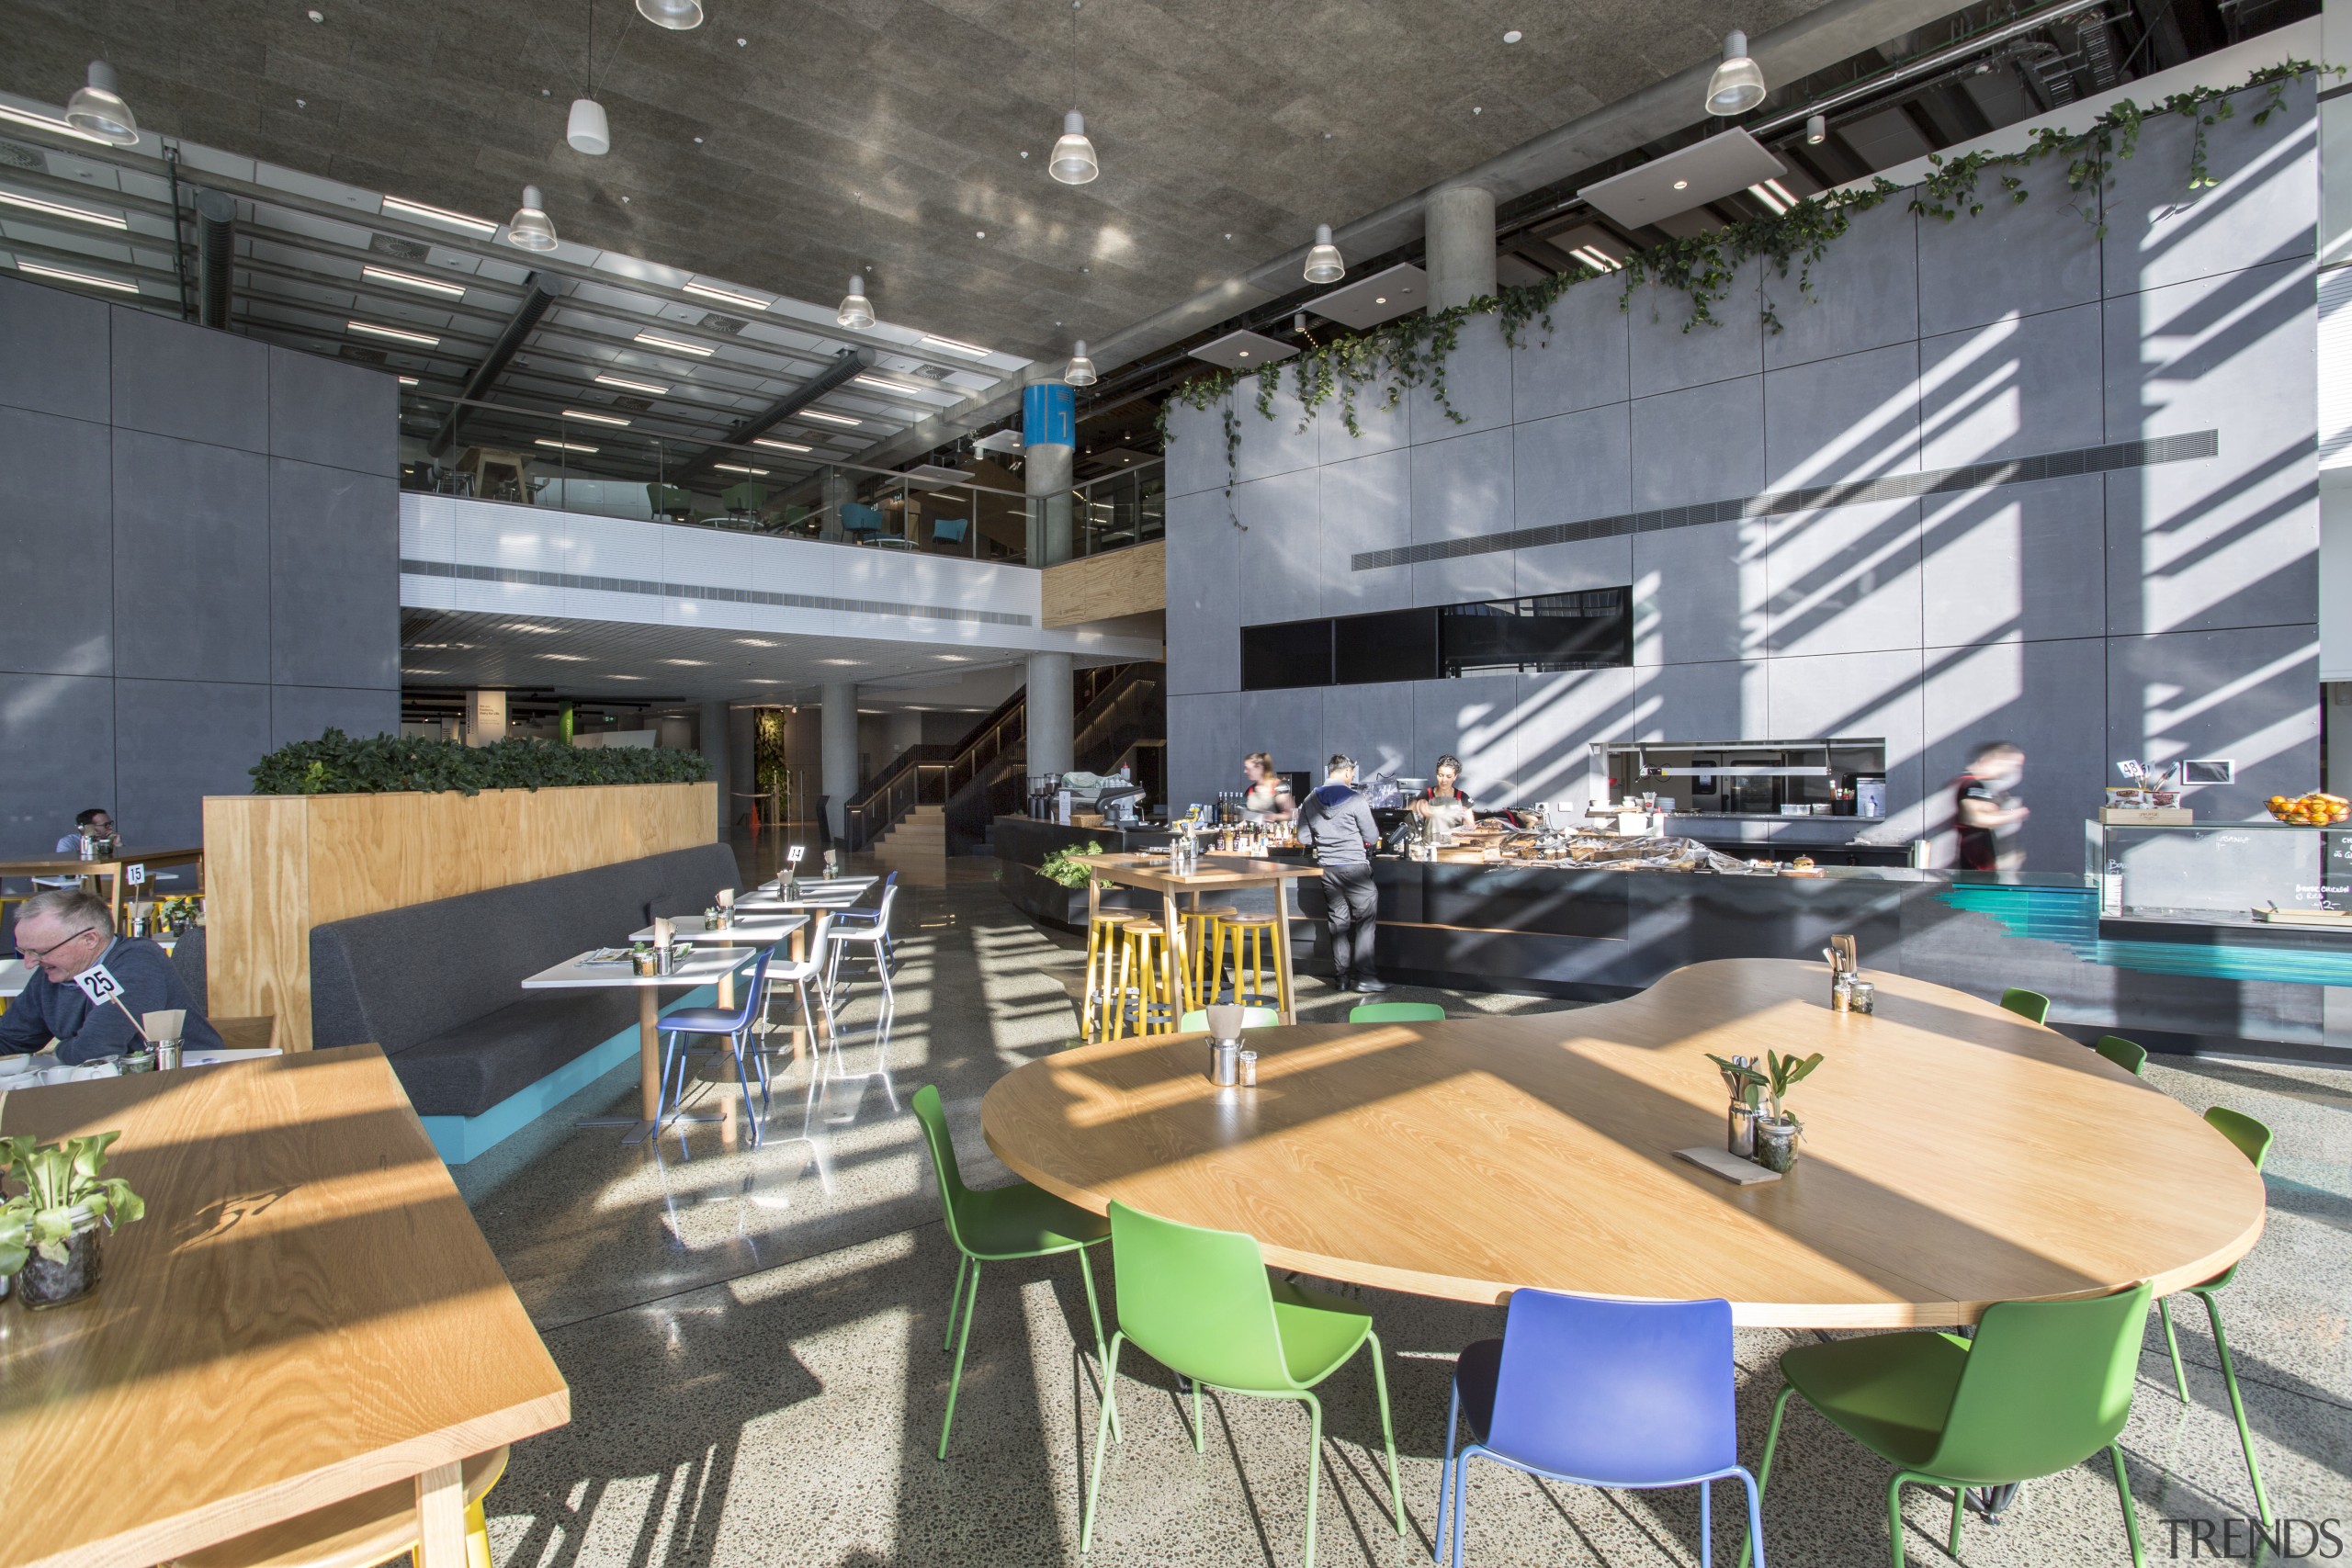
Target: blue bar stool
{"x":734,"y":1023}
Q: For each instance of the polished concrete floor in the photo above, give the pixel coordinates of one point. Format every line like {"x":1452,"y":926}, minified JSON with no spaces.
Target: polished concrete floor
{"x":753,"y":1340}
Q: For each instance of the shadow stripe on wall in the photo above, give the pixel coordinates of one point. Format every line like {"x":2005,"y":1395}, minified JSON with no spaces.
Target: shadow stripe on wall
{"x":2107,"y":459}
{"x":697,"y":591}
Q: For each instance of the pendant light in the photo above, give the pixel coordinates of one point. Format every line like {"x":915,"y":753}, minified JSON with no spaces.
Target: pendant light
{"x":678,"y":15}
{"x":1073,"y":162}
{"x":1081,"y":369}
{"x":588,"y":130}
{"x":1737,"y":84}
{"x":1323,"y":263}
{"x":857,"y":311}
{"x":530,"y":229}
{"x":98,"y":110}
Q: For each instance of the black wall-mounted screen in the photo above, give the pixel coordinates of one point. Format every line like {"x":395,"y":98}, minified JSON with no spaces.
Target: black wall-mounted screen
{"x":1286,"y":653}
{"x":1395,"y":645}
{"x":1589,"y":630}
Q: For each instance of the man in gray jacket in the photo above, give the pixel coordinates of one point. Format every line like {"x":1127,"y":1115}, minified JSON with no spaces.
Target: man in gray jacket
{"x":1337,"y":821}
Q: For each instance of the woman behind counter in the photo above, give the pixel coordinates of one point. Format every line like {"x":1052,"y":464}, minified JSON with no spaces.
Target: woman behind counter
{"x":1444,"y":800}
{"x":1266,"y":798}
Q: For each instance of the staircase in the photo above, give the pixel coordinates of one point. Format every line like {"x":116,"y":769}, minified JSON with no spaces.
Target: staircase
{"x":931,"y":801}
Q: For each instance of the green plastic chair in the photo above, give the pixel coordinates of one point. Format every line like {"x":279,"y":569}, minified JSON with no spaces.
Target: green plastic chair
{"x":2122,"y":1052}
{"x":1001,"y":1225}
{"x":2026,"y":1004}
{"x":1251,"y":1018}
{"x":2253,"y":1140}
{"x":1396,"y":1012}
{"x":1202,"y":1304}
{"x":2041,"y":1387}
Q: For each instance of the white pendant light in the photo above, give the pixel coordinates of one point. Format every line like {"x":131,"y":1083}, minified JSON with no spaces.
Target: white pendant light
{"x":1817,"y":129}
{"x":1323,"y":263}
{"x":588,"y":130}
{"x":530,"y":229}
{"x":1073,"y":163}
{"x":678,"y":15}
{"x":1737,"y":84}
{"x":857,"y":311}
{"x":1081,"y":369}
{"x":98,"y":110}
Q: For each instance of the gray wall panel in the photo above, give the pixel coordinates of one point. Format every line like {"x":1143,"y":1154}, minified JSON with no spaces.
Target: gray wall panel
{"x":2244,"y":693}
{"x":57,"y":537}
{"x":179,"y":741}
{"x":323,"y":411}
{"x":333,"y":546}
{"x":1844,"y":581}
{"x":1203,"y":593}
{"x":1475,"y":719}
{"x":61,"y":757}
{"x":1724,"y":700}
{"x":1460,"y":487}
{"x":175,"y":379}
{"x":1281,"y":550}
{"x":304,"y":713}
{"x":191,"y":553}
{"x":1997,"y":692}
{"x":1706,"y":444}
{"x":1572,"y":466}
{"x":1477,"y":387}
{"x":2013,"y":389}
{"x":1370,"y":722}
{"x":2021,"y":562}
{"x":1276,"y":446}
{"x":1365,"y":503}
{"x":1379,"y":427}
{"x":1861,"y":694}
{"x":1581,"y":361}
{"x":2048,"y":254}
{"x":2263,"y":207}
{"x":1864,"y":294}
{"x":1670,"y":349}
{"x":1834,"y":420}
{"x":54,"y":357}
{"x":1699,"y":593}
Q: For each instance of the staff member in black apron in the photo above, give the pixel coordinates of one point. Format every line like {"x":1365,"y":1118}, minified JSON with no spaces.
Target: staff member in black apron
{"x":1444,"y":799}
{"x":1337,"y":820}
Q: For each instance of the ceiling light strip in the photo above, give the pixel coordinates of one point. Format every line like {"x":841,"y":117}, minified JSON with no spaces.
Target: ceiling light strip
{"x":627,"y":385}
{"x":931,"y":339}
{"x":706,"y":291}
{"x":49,"y":122}
{"x":672,"y":344}
{"x":63,"y":274}
{"x":408,"y":208}
{"x":562,"y":446}
{"x":400,"y":334}
{"x":595,"y":418}
{"x":410,"y":280}
{"x":59,"y":209}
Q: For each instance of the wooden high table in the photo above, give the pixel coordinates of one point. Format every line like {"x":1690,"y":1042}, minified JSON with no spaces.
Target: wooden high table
{"x":1217,"y":874}
{"x":112,"y":868}
{"x":306,"y":1312}
{"x":1954,"y":1155}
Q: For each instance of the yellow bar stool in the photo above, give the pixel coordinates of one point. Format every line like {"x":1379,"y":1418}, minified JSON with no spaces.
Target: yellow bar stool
{"x":1101,"y":959}
{"x":1253,"y":935}
{"x":1143,"y":973}
{"x":358,"y":1532}
{"x":1200,"y":936}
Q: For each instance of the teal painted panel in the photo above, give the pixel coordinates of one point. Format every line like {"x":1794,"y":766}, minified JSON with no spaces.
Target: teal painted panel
{"x":458,"y":1139}
{"x":2070,"y":917}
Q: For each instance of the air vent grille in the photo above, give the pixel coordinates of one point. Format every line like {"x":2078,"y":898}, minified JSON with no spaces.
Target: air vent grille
{"x":365,"y":355}
{"x":15,"y":155}
{"x":718,"y":323}
{"x":634,"y":405}
{"x":406,"y":250}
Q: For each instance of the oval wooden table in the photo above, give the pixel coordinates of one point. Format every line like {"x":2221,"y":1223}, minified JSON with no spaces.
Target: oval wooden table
{"x":1954,"y":1155}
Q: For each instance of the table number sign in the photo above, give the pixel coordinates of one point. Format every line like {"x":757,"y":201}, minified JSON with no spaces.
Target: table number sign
{"x":135,"y":873}
{"x":98,"y":984}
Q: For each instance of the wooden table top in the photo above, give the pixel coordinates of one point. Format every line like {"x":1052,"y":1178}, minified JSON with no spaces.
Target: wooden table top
{"x":1215,"y":871}
{"x":1954,"y":1155}
{"x":703,"y":965}
{"x":75,"y":865}
{"x":307,"y":1312}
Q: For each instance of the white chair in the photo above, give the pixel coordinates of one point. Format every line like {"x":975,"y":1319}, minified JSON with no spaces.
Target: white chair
{"x":804,"y":976}
{"x":876,"y":936}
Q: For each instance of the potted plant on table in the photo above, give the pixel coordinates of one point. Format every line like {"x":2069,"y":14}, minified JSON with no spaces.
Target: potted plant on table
{"x":1777,"y":1133}
{"x":66,"y":1207}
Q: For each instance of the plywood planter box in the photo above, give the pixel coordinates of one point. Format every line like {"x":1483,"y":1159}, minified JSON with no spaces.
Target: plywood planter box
{"x":277,"y":865}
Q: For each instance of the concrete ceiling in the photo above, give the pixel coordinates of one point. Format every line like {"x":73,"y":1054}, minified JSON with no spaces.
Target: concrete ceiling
{"x":886,"y":135}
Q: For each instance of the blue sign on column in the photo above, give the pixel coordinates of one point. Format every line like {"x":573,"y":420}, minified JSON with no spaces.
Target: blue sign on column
{"x":1048,"y":414}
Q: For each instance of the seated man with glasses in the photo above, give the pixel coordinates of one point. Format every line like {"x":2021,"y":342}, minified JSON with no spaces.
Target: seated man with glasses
{"x":59,"y":935}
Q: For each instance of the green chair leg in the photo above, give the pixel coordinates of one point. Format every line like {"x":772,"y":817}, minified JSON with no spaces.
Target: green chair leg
{"x":954,"y":1304}
{"x":1387,"y":1432}
{"x":1102,"y":1443}
{"x":2179,"y":1377}
{"x":2131,"y":1516}
{"x":955,"y":1379}
{"x":1199,"y":1441}
{"x":2237,"y":1408}
{"x":1895,"y":1511}
{"x":1764,"y":1471}
{"x":1094,"y":1312}
{"x":1959,"y":1499}
{"x":1314,"y":1467}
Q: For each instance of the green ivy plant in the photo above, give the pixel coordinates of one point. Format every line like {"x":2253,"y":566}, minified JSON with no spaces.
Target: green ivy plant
{"x":336,"y":764}
{"x":1383,"y":363}
{"x":1060,"y":867}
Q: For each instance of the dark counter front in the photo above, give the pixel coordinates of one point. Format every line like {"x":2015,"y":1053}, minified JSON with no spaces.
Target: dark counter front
{"x":1024,"y":842}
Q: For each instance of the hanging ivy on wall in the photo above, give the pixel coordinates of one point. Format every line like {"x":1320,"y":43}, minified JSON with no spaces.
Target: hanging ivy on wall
{"x":1381,"y":366}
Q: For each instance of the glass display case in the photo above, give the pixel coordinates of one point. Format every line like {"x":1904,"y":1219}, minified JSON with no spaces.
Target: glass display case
{"x":2220,"y":873}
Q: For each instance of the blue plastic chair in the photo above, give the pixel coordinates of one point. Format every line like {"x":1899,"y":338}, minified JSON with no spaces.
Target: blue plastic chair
{"x":861,"y":522}
{"x":734,"y":1023}
{"x":951,"y":531}
{"x":1602,"y":1392}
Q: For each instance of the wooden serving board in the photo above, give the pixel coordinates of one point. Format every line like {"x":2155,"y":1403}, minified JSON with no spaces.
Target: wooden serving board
{"x":2304,"y":916}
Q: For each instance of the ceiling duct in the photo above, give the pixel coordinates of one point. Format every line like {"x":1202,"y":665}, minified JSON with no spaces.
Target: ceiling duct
{"x":849,"y":362}
{"x":215,"y":255}
{"x":537,"y":297}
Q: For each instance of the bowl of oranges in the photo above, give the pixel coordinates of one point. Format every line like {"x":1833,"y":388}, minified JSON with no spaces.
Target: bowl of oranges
{"x":2312,"y":810}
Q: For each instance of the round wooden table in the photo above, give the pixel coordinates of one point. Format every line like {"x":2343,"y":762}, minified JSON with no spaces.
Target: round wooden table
{"x":1954,"y":1155}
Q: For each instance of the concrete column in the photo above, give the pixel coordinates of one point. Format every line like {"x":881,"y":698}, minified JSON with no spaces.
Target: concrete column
{"x":710,"y":740}
{"x":1048,"y":471}
{"x":837,"y":754}
{"x":1050,"y":715}
{"x":1460,"y":229}
{"x":485,"y":718}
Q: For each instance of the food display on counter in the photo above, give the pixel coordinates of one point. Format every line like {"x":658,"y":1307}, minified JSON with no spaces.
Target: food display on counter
{"x":2313,"y":809}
